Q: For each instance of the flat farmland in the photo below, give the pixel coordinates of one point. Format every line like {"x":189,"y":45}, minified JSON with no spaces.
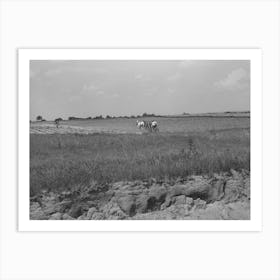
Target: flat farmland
{"x":178,"y":125}
{"x":79,"y":152}
{"x":193,"y":168}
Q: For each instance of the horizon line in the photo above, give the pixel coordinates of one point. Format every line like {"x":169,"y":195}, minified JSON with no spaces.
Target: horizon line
{"x":147,"y":115}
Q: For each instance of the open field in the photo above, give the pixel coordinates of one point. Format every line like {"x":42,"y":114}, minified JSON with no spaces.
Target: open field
{"x":184,"y":146}
{"x":181,"y":125}
{"x":98,"y":153}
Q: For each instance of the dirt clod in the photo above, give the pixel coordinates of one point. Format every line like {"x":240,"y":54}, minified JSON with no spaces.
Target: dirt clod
{"x":221,"y":196}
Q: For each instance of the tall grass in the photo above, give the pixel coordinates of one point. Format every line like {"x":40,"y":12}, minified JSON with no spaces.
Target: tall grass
{"x":61,"y":162}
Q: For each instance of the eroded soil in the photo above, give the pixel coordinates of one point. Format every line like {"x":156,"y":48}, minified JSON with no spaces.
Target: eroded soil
{"x":223,"y":196}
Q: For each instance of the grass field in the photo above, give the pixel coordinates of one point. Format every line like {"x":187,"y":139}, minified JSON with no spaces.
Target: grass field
{"x":177,"y":125}
{"x":184,"y":146}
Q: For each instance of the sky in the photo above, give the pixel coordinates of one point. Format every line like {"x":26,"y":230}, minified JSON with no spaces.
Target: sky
{"x":87,"y":88}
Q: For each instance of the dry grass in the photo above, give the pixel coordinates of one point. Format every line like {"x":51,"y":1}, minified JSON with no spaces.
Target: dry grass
{"x":121,"y":125}
{"x":61,"y":162}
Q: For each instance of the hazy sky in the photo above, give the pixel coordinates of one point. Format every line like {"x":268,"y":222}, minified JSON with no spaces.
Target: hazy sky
{"x":89,"y":88}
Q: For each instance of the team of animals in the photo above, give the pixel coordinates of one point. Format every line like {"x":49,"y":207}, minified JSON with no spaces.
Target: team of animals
{"x":148,"y":125}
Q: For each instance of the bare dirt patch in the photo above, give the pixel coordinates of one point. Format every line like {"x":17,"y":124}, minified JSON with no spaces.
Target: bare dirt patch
{"x":225,"y":196}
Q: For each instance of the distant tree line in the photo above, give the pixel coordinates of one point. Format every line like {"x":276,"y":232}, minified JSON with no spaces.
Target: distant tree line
{"x":100,"y":117}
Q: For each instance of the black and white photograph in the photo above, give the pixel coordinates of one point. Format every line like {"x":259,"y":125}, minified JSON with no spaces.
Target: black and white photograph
{"x":139,"y":139}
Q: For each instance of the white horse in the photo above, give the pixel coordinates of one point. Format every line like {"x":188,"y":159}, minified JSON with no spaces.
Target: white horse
{"x":154,"y":125}
{"x":140,"y":124}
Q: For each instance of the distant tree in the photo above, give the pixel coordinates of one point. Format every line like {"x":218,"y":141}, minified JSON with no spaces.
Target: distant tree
{"x":108,"y":117}
{"x":89,"y":118}
{"x":74,"y":118}
{"x":57,"y":121}
{"x":148,"y":115}
{"x":39,"y":118}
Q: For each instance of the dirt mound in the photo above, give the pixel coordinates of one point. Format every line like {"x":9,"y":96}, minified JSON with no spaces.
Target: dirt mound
{"x":224,"y":196}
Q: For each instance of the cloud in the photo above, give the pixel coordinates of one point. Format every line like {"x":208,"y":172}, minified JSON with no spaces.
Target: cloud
{"x":56,"y":68}
{"x":74,"y":98}
{"x":53,"y":72}
{"x":170,"y":91}
{"x":151,"y":91}
{"x":86,"y":69}
{"x":90,"y":87}
{"x":174,"y":77}
{"x":142,"y":78}
{"x":186,"y":63}
{"x":32,"y":74}
{"x":99,"y":92}
{"x":238,"y":79}
{"x":138,"y":77}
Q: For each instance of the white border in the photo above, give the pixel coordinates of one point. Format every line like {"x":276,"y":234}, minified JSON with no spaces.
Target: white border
{"x":254,"y":55}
